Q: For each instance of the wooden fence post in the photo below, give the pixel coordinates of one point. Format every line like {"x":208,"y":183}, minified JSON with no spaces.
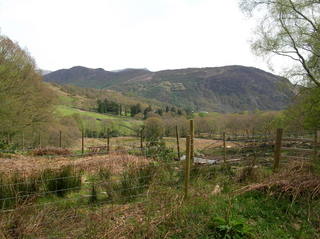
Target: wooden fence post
{"x":224,"y":148}
{"x":82,"y":142}
{"x":191,"y":141}
{"x":40,"y":146}
{"x":60,"y":139}
{"x":277,"y":150}
{"x":178,"y":143}
{"x":23,"y":141}
{"x":108,"y":140}
{"x":141,"y":138}
{"x":316,"y":142}
{"x":187,"y":167}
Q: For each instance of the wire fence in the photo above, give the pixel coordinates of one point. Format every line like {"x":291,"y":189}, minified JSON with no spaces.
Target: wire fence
{"x":104,"y":187}
{"x":135,"y":181}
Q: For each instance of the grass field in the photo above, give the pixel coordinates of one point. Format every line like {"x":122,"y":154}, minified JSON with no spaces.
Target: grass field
{"x":124,"y":125}
{"x":68,"y":111}
{"x":69,"y":105}
{"x":213,"y":209}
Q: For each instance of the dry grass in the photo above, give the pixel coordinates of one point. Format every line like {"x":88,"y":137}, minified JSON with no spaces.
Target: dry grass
{"x":28,"y":165}
{"x":134,"y":142}
{"x":50,"y":151}
{"x":297,"y":180}
{"x":123,"y":142}
{"x":117,"y":221}
{"x":200,"y":144}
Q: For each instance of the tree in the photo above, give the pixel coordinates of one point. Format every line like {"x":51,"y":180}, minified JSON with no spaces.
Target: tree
{"x":135,"y":109}
{"x":25,"y":101}
{"x":107,"y":106}
{"x":159,"y":111}
{"x":154,"y":129}
{"x":146,"y":111}
{"x":305,"y":113}
{"x":173,"y":109}
{"x":289,"y":28}
{"x":100,"y":108}
{"x":180,"y":112}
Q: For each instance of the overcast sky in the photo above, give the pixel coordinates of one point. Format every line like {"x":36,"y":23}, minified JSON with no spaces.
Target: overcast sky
{"x":117,"y":34}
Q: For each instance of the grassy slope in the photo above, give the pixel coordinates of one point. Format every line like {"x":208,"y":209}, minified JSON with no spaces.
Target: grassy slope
{"x":68,"y":105}
{"x":163,"y":214}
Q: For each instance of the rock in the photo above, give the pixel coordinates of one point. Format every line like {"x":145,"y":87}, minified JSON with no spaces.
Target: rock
{"x":183,"y":157}
{"x":204,"y":161}
{"x":216,"y":190}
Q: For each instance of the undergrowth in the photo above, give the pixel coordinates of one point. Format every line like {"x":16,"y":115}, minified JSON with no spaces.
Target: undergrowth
{"x":216,"y":208}
{"x":61,"y":182}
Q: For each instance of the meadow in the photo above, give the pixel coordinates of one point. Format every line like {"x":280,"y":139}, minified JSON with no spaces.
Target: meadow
{"x":129,"y":193}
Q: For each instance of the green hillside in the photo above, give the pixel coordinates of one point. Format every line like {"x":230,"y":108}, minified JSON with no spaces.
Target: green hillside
{"x":81,"y":108}
{"x":219,"y":89}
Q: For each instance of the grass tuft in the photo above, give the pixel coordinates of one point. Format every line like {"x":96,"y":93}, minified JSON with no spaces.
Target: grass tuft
{"x":61,"y":182}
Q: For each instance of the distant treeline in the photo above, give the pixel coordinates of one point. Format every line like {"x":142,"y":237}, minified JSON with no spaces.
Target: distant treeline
{"x":112,"y":107}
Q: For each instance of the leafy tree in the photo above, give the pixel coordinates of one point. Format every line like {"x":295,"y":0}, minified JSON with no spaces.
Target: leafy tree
{"x":289,"y":28}
{"x":173,"y":109}
{"x":180,"y":112}
{"x":159,"y":112}
{"x":135,"y":109}
{"x":25,"y":102}
{"x":189,"y":112}
{"x":146,"y":111}
{"x":305,"y":113}
{"x":154,"y":129}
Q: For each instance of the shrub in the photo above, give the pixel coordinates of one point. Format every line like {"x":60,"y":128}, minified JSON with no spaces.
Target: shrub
{"x":10,"y":148}
{"x":160,"y":151}
{"x":50,"y":151}
{"x":62,"y":181}
{"x":203,"y":171}
{"x":104,"y":174}
{"x":93,"y":195}
{"x":16,"y":190}
{"x":231,"y":229}
{"x":135,"y":180}
{"x":250,"y":173}
{"x":153,"y":130}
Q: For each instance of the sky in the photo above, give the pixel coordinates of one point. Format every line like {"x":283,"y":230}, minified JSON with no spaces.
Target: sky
{"x":118,"y":34}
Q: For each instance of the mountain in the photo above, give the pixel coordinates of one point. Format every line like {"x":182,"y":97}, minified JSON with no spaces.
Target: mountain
{"x":93,"y":78}
{"x":44,"y":72}
{"x":220,"y":89}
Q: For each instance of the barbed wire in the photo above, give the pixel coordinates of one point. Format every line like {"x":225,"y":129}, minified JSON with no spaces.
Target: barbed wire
{"x":63,"y":200}
{"x":43,"y":181}
{"x":91,"y":184}
{"x":251,"y":149}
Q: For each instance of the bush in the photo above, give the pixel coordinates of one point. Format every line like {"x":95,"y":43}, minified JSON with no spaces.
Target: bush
{"x":250,"y":173}
{"x":93,"y":195}
{"x":8,"y":147}
{"x":229,"y":229}
{"x":135,"y":181}
{"x":50,"y":151}
{"x":62,"y":181}
{"x":153,"y":130}
{"x":104,"y":174}
{"x":203,"y":171}
{"x":16,"y":190}
{"x":160,"y":151}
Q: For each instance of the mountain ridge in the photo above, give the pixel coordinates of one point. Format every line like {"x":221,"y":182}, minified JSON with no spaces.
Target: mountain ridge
{"x":232,"y":88}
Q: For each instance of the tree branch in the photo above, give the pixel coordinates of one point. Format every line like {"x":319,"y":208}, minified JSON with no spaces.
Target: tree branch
{"x":302,"y":60}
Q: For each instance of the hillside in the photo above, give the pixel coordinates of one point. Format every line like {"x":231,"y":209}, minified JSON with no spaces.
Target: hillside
{"x":220,"y":89}
{"x":82,"y":107}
